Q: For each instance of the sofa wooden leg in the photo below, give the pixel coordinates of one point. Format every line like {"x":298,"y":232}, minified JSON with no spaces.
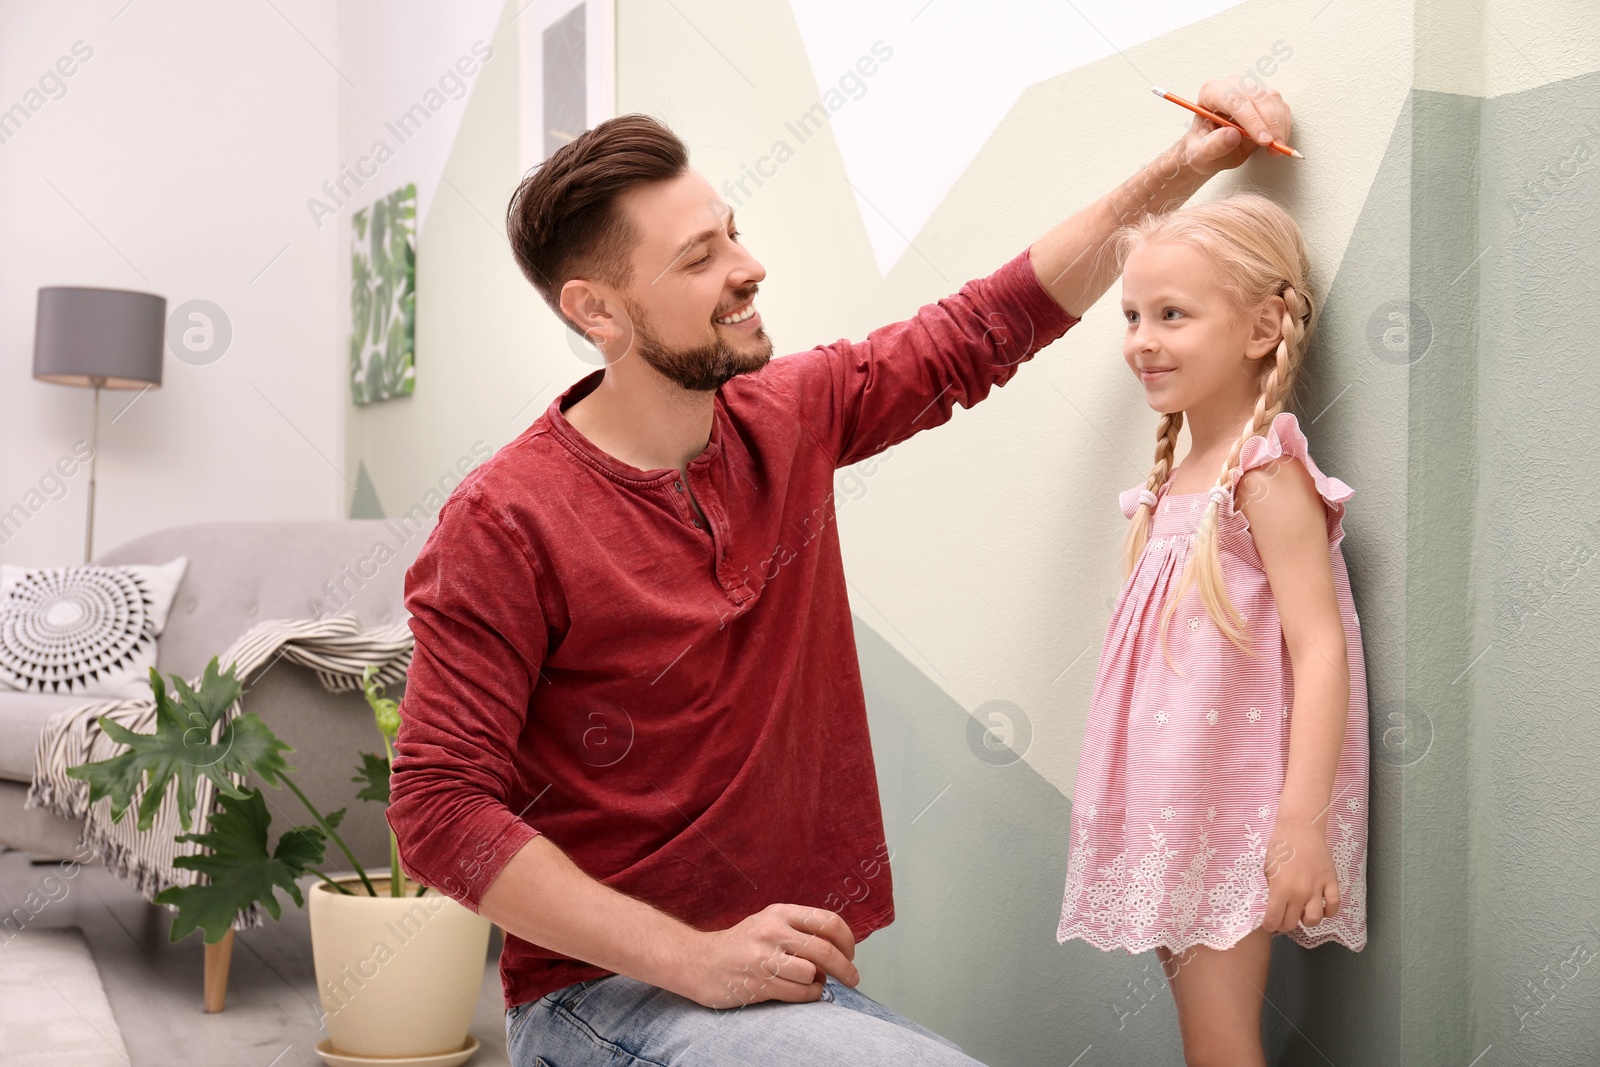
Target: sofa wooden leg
{"x":218,"y":957}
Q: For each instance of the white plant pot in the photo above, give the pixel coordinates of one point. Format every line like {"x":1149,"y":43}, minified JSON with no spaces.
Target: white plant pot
{"x":398,"y":976}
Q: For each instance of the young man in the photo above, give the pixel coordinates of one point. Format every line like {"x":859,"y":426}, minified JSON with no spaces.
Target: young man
{"x":634,"y":734}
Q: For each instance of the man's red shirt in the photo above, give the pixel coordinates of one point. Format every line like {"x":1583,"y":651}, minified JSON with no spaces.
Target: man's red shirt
{"x":679,"y":709}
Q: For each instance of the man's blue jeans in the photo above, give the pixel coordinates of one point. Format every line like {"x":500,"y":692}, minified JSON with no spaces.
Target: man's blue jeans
{"x":621,"y":1022}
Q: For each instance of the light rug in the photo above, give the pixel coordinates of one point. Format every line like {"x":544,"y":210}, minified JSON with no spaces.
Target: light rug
{"x":53,"y":1009}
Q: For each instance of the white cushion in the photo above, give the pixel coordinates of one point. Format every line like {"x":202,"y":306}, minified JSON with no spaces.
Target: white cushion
{"x":84,"y":631}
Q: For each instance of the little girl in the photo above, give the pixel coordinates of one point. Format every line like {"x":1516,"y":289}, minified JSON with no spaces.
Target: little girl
{"x":1222,"y":788}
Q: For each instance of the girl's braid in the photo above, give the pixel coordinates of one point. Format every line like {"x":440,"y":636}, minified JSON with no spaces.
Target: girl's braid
{"x":1166,"y":448}
{"x":1206,"y":556}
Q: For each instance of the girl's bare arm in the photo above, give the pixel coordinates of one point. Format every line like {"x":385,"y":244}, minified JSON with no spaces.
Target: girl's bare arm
{"x":1288,"y":521}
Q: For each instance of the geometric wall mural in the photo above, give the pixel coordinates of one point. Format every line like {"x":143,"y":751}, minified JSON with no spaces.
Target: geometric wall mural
{"x":907,"y":129}
{"x":1456,"y":317}
{"x":981,"y":846}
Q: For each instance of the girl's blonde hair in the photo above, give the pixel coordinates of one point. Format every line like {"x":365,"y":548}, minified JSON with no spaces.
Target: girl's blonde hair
{"x":1256,"y":252}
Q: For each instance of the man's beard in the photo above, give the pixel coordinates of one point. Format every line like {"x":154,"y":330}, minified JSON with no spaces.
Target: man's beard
{"x":701,"y":369}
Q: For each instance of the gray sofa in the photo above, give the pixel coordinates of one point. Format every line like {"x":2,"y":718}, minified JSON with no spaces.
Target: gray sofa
{"x":241,"y":573}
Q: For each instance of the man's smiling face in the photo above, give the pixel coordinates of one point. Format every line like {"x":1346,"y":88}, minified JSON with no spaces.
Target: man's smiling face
{"x":693,"y":285}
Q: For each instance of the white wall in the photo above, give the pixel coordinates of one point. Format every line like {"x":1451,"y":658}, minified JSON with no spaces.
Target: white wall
{"x":177,"y":161}
{"x":396,"y":55}
{"x":470,"y":357}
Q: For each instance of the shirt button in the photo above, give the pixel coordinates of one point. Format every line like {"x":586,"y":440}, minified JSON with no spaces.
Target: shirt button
{"x":678,"y":486}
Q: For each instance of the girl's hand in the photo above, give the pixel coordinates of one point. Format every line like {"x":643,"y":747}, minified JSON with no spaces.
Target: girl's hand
{"x":1301,"y":885}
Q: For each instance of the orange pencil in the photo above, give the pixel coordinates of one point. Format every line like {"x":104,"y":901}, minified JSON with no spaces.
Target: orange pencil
{"x":1276,"y":145}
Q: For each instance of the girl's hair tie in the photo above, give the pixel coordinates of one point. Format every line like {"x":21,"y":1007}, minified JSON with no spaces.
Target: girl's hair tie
{"x":1147,"y":498}
{"x":1305,"y":301}
{"x":1219,"y":495}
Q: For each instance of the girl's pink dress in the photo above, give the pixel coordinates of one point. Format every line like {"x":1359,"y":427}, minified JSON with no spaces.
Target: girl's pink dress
{"x":1180,"y":776}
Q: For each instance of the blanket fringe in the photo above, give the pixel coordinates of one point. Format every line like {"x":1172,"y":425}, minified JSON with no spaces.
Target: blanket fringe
{"x":336,"y":649}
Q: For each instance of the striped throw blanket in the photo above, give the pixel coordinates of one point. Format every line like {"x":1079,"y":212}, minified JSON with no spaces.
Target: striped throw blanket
{"x":336,"y":648}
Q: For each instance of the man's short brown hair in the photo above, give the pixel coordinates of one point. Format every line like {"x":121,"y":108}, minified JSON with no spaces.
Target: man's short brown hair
{"x":564,"y":221}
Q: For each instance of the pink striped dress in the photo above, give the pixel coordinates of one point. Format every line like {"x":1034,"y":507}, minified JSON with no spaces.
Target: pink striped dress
{"x":1180,"y":776}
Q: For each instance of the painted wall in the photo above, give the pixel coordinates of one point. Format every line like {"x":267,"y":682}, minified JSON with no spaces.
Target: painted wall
{"x":1499,"y":929}
{"x":1531,"y":659}
{"x":941,"y":638}
{"x":458,"y":153}
{"x":175,"y":160}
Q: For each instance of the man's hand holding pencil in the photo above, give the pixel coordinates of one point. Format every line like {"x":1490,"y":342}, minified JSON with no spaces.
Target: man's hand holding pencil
{"x":1073,"y":260}
{"x":1230,"y":122}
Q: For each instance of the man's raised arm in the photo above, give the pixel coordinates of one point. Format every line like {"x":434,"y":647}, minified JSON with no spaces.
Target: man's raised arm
{"x":859,"y":398}
{"x":1074,"y":261}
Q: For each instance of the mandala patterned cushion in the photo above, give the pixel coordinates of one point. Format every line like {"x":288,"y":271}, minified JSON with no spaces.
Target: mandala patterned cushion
{"x":84,"y":631}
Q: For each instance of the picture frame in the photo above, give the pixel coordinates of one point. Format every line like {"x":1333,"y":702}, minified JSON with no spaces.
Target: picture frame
{"x":566,"y":55}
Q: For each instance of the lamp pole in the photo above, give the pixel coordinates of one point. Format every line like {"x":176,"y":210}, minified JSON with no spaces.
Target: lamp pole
{"x":97,"y":380}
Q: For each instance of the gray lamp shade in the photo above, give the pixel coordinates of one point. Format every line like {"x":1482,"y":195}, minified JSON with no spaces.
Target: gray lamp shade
{"x":107,"y":337}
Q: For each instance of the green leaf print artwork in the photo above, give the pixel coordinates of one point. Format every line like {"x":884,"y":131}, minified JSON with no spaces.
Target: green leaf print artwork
{"x":383,"y":280}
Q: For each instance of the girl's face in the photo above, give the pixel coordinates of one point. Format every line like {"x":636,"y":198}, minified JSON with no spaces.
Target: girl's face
{"x":1186,"y":342}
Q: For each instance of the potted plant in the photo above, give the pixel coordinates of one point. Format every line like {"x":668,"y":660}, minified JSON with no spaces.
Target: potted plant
{"x":397,"y":968}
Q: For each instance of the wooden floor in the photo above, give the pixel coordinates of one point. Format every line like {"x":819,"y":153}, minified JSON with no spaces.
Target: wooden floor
{"x":154,"y":986}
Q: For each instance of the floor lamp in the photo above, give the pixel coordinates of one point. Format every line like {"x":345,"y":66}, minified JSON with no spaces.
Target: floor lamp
{"x":101,"y":338}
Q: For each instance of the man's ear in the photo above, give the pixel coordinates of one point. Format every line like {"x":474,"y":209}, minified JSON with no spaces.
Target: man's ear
{"x":1266,"y":328}
{"x":588,"y":309}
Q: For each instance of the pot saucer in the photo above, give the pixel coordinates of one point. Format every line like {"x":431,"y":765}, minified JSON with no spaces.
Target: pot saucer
{"x":439,"y":1059}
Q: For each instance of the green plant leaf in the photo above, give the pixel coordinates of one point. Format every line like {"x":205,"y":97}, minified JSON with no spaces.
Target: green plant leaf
{"x":357,"y":386}
{"x":181,"y":750}
{"x":374,"y":771}
{"x":334,"y":818}
{"x":360,"y":300}
{"x":216,"y":694}
{"x":380,"y":238}
{"x":397,"y":360}
{"x":238,"y":868}
{"x":374,"y":375}
{"x":402,"y":259}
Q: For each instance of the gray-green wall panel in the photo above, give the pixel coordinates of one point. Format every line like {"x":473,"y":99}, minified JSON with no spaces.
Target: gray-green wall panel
{"x":1439,"y":634}
{"x":978,"y":881}
{"x":1536,"y":787}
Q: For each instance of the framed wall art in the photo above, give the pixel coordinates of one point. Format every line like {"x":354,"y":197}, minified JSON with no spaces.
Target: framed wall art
{"x":383,"y":298}
{"x":567,"y":73}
